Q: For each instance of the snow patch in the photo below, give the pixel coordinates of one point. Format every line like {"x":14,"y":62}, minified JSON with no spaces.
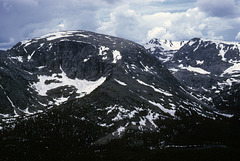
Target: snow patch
{"x":173,"y":70}
{"x":60,"y":100}
{"x":103,"y":50}
{"x":235,"y":68}
{"x":155,"y":89}
{"x":200,"y":62}
{"x":85,"y":60}
{"x":170,"y":112}
{"x":121,"y":83}
{"x":222,"y":52}
{"x":166,"y":45}
{"x":194,"y":69}
{"x":82,"y":35}
{"x":120,"y":130}
{"x":146,"y":68}
{"x":116,"y":56}
{"x":142,"y":121}
{"x":224,"y":114}
{"x":83,"y":87}
{"x":151,"y":117}
{"x":30,"y":56}
{"x":18,"y":58}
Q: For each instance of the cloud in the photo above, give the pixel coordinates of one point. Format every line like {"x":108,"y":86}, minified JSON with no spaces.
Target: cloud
{"x":128,"y":23}
{"x":140,"y":28}
{"x":160,"y":32}
{"x":4,"y":45}
{"x":23,"y":19}
{"x":238,"y":36}
{"x":183,"y":25}
{"x":137,"y":20}
{"x":220,"y":8}
{"x":123,"y":22}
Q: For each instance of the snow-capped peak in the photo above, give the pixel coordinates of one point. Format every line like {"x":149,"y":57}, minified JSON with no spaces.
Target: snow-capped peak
{"x":56,"y":35}
{"x":219,"y":43}
{"x":165,"y":45}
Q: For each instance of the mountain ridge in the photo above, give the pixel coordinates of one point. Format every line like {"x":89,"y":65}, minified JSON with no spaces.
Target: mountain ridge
{"x":207,"y":67}
{"x":82,"y":91}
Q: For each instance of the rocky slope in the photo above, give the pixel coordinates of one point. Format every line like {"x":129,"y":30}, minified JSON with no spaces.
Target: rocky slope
{"x":210,"y":69}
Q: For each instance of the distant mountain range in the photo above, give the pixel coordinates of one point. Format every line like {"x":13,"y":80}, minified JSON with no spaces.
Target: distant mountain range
{"x":79,"y":93}
{"x":208,"y":68}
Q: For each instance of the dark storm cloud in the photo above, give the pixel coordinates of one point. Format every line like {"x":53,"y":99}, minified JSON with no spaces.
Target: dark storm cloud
{"x":23,"y":19}
{"x":220,"y":8}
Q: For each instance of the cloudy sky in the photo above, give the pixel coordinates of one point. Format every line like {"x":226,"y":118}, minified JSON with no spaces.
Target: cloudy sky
{"x":137,"y":20}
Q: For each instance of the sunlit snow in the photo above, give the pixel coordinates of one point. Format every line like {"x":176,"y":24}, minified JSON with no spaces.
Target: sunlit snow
{"x":235,"y":68}
{"x":194,"y":69}
{"x":200,"y":62}
{"x":224,"y":114}
{"x":171,"y":112}
{"x":116,"y":56}
{"x":60,"y":79}
{"x":18,"y":58}
{"x":222,"y":52}
{"x":120,"y":82}
{"x":103,"y":50}
{"x":155,"y":89}
{"x":166,"y":45}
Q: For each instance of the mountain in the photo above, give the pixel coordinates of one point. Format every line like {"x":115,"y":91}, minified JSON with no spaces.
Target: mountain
{"x":163,"y":49}
{"x":209,"y":69}
{"x":76,"y":94}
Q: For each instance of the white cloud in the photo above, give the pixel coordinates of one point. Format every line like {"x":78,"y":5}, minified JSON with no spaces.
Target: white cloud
{"x":123,"y":22}
{"x":165,"y":25}
{"x":160,"y":32}
{"x":129,"y":24}
{"x":137,"y":20}
{"x":238,"y":36}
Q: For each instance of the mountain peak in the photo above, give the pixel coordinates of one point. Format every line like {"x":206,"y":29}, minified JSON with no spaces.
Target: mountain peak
{"x":208,"y":67}
{"x":163,"y":49}
{"x":164,"y":45}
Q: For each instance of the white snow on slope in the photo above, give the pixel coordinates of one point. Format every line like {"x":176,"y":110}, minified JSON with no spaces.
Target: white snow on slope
{"x":18,"y":58}
{"x":194,"y":69}
{"x":116,"y":56}
{"x":219,"y":42}
{"x":58,"y":80}
{"x":103,"y":50}
{"x":56,"y":35}
{"x":151,"y":117}
{"x":235,"y":68}
{"x":120,"y":82}
{"x":199,"y":62}
{"x":155,"y":89}
{"x":120,"y":130}
{"x":222,"y":52}
{"x":170,"y":112}
{"x":62,"y":34}
{"x":30,"y":56}
{"x":224,"y":114}
{"x":166,"y":45}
